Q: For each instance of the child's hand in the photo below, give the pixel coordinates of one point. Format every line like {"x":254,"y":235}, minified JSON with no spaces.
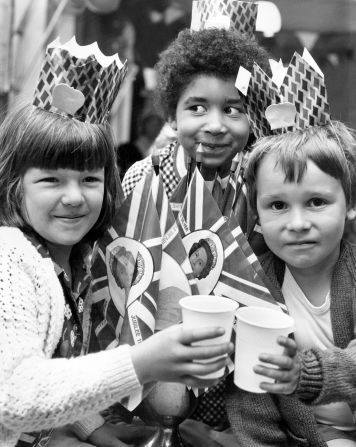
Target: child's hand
{"x":287,"y":374}
{"x":168,"y":356}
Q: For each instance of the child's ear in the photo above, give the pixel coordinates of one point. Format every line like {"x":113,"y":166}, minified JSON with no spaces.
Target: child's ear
{"x":351,"y":214}
{"x":173,"y":124}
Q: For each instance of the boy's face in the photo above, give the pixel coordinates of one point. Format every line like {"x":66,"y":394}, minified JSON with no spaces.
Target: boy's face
{"x":210,"y":112}
{"x":302,"y":223}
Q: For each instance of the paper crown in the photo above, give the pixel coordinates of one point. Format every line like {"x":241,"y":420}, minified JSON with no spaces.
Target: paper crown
{"x":79,"y":81}
{"x":294,"y":98}
{"x":228,"y":14}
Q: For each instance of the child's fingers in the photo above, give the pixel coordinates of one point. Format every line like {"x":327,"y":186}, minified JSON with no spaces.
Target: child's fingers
{"x":289,"y":344}
{"x":285,"y":379}
{"x":189,"y":336}
{"x":203,"y":369}
{"x":277,"y":388}
{"x":282,"y":361}
{"x":209,"y":351}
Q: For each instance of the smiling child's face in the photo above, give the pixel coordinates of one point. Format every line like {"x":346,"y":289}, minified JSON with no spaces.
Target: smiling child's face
{"x":302,"y":223}
{"x":210,"y":112}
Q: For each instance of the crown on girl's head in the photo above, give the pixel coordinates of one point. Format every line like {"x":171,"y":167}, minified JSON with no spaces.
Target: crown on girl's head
{"x":79,"y":81}
{"x":294,"y":98}
{"x":228,"y":14}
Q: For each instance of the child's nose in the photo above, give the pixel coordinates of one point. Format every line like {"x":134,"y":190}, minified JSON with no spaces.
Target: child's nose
{"x":215,"y":122}
{"x":298,"y":221}
{"x":72,"y":195}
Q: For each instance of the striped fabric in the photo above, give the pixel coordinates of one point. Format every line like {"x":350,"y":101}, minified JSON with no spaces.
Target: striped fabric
{"x":146,"y":228}
{"x":126,"y":274}
{"x":237,"y":278}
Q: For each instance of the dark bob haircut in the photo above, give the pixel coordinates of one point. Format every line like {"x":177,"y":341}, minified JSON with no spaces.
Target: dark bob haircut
{"x":34,"y":138}
{"x":331,"y":147}
{"x":212,"y":52}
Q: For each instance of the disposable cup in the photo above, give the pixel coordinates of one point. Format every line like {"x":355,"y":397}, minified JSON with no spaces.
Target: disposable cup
{"x":202,"y":311}
{"x":257,"y":329}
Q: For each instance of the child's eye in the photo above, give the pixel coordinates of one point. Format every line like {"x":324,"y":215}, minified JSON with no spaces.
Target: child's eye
{"x":316,"y":202}
{"x":278,"y":205}
{"x":49,"y":180}
{"x":234,"y":111}
{"x":197,"y":108}
{"x":91,"y":179}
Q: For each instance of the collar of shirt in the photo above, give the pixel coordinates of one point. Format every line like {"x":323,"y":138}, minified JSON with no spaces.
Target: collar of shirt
{"x":80,"y":260}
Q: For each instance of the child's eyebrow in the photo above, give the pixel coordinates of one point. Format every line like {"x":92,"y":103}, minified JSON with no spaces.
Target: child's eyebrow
{"x":195,"y":99}
{"x":203,"y":99}
{"x":271,"y":196}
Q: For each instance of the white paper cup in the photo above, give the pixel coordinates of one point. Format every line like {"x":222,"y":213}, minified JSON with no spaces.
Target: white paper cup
{"x":202,"y":311}
{"x":257,"y":329}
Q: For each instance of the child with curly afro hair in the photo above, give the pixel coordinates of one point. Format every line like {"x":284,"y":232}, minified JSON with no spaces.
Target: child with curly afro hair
{"x":196,"y":95}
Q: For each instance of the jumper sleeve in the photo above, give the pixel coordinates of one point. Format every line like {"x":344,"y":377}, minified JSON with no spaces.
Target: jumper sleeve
{"x":37,"y":392}
{"x":328,"y":376}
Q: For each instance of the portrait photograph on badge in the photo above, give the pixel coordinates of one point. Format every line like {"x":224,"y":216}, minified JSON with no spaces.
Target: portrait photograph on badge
{"x":173,"y":286}
{"x":206,"y":255}
{"x":129,"y":267}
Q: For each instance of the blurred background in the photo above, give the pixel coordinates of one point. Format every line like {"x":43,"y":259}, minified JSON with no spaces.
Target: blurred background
{"x":139,"y":29}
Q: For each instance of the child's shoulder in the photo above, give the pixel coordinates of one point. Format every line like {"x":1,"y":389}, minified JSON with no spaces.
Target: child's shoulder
{"x":142,"y":167}
{"x":348,"y":255}
{"x":17,"y":247}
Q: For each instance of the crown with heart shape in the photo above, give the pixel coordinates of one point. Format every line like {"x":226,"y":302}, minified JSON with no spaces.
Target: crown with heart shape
{"x":294,"y":98}
{"x":79,"y":81}
{"x":224,"y":14}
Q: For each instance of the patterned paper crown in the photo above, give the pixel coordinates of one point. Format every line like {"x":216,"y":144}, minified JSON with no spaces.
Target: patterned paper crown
{"x":79,"y":81}
{"x":229,"y":14}
{"x":295,"y":97}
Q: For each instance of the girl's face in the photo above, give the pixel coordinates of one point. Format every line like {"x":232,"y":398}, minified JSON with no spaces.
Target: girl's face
{"x":302,"y":223}
{"x":198,"y":261}
{"x":62,"y":205}
{"x":210,"y":112}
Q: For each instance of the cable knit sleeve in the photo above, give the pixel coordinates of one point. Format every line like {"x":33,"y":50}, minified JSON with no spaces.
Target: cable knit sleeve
{"x":328,"y":376}
{"x":36,"y":391}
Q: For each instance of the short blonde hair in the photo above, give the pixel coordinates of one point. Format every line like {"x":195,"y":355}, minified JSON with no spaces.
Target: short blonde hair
{"x":331,"y":147}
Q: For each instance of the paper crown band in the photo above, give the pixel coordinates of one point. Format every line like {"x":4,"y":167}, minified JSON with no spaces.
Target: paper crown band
{"x":294,"y":101}
{"x":228,"y":14}
{"x":79,"y":81}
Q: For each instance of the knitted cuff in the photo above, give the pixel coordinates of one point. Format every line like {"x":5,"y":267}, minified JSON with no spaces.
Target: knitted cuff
{"x":85,"y":427}
{"x":311,"y":378}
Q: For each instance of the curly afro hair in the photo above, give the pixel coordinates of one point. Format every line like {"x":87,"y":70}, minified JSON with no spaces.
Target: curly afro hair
{"x":215,"y":52}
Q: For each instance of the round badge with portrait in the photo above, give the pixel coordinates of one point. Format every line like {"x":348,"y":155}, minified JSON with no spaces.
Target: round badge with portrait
{"x":130,"y":268}
{"x":206,"y":255}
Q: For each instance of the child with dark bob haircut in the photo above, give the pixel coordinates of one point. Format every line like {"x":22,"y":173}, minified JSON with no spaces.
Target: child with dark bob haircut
{"x":59,"y":189}
{"x":45,"y":141}
{"x":302,"y":186}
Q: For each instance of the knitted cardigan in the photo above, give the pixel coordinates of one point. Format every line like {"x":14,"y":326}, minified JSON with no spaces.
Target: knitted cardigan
{"x":326,"y":376}
{"x":37,"y":392}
